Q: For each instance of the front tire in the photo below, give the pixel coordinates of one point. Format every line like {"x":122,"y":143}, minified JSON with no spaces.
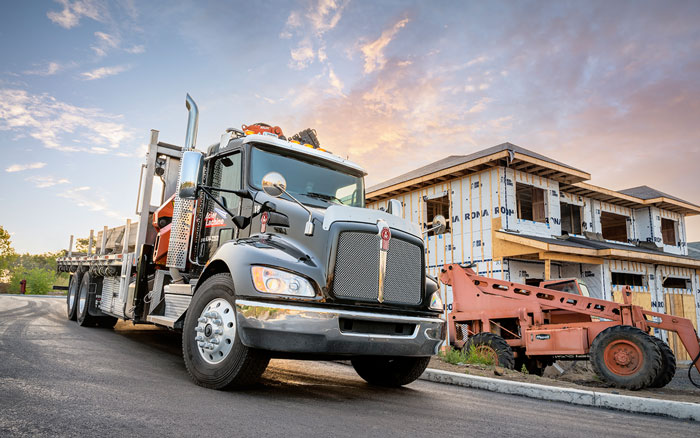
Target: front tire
{"x":668,"y":364}
{"x":213,"y":352}
{"x":626,"y":357}
{"x":390,"y":371}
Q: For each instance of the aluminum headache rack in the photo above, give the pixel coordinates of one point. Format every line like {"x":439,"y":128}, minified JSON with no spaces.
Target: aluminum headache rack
{"x":117,"y":248}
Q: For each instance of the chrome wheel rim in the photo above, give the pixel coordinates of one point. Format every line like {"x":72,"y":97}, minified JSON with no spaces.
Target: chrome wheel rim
{"x":71,"y":295}
{"x":81,"y":301}
{"x":216,"y":331}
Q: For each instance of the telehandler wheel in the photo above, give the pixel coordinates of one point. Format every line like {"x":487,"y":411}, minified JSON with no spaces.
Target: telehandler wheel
{"x":213,"y":352}
{"x":626,"y":357}
{"x":72,"y":296}
{"x":668,"y":364}
{"x":493,"y":346}
{"x":390,"y":371}
{"x":82,"y":312}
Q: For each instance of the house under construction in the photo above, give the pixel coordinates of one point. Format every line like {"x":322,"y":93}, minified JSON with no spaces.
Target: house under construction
{"x":524,"y":217}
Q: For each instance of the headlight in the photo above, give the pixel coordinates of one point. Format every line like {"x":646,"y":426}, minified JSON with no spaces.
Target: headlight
{"x":274,"y":281}
{"x":436,"y":302}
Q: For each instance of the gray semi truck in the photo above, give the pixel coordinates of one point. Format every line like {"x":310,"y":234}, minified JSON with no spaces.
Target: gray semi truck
{"x":261,"y":248}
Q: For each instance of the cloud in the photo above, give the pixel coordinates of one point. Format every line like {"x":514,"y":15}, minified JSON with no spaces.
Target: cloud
{"x":374,"y":51}
{"x":135,"y":50}
{"x":335,"y":83}
{"x":85,"y":197}
{"x":58,"y":125}
{"x":321,"y":15}
{"x":302,"y":56}
{"x":50,"y":69}
{"x":103,"y":72}
{"x":73,"y":11}
{"x":21,"y":167}
{"x":46,"y":181}
{"x":105,"y":42}
{"x":325,"y":15}
{"x":400,"y":114}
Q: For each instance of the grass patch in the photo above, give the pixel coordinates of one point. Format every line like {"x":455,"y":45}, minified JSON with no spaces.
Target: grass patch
{"x":453,"y":356}
{"x":476,"y":356}
{"x":523,"y":369}
{"x":472,"y":356}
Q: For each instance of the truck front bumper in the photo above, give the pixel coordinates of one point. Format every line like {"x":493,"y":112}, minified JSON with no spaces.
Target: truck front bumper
{"x":292,"y":328}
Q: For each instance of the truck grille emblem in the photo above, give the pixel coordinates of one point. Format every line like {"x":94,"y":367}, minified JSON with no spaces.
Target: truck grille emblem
{"x":385,"y":237}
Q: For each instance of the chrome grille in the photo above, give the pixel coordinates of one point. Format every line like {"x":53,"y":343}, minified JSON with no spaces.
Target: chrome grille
{"x":357,"y":266}
{"x":404,"y":273}
{"x":356,"y":273}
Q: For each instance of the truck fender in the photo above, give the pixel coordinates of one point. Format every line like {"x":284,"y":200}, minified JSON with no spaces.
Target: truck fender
{"x":237,"y":258}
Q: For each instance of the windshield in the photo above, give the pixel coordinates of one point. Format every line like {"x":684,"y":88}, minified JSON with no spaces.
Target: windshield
{"x":313,"y":183}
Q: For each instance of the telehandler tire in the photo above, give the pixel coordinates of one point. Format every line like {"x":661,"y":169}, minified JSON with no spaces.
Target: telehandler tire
{"x":390,"y":371}
{"x":668,"y":364}
{"x":72,"y":296}
{"x":213,"y":352}
{"x":494,"y":346}
{"x":626,"y":357}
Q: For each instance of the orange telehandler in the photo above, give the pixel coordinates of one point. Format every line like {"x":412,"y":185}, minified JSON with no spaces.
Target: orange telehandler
{"x":520,"y":325}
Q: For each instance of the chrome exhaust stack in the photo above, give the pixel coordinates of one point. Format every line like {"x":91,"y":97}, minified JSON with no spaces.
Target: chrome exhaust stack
{"x":192,"y":123}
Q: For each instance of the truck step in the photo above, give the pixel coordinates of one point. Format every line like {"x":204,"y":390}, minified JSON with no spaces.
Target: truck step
{"x":162,"y":320}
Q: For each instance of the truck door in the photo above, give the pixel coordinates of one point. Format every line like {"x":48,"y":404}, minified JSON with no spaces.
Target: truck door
{"x":217,"y":225}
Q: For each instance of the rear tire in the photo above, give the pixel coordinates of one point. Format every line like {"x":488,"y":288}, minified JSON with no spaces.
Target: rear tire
{"x":72,"y":296}
{"x":83,"y":303}
{"x":390,"y":371}
{"x":494,"y":346}
{"x":228,"y":363}
{"x":626,"y":357}
{"x":668,"y":364}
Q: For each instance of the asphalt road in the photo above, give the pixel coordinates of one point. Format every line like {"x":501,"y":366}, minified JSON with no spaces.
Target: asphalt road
{"x":60,"y":379}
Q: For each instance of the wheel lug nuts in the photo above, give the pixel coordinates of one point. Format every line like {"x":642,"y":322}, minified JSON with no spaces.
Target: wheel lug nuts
{"x":215,"y":341}
{"x":199,"y":338}
{"x":217,"y":322}
{"x":218,"y":332}
{"x":198,"y":329}
{"x":201,"y":344}
{"x":202,"y":319}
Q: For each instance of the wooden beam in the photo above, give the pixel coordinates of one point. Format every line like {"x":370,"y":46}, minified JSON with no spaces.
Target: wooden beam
{"x":426,"y":179}
{"x":547,"y":269}
{"x":636,"y":256}
{"x":560,"y":257}
{"x":563,"y":169}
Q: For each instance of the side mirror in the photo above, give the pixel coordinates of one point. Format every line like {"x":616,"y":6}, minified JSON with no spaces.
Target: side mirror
{"x":395,"y":208}
{"x":190,"y":174}
{"x":439,"y":224}
{"x":274,"y":184}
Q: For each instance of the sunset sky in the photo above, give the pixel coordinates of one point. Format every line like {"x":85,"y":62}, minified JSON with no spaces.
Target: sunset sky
{"x":612,"y":88}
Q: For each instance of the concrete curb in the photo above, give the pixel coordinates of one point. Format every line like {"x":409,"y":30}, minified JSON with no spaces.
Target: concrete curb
{"x":640,"y":405}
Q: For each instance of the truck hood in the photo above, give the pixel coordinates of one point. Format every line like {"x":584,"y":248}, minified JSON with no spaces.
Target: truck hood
{"x":343,"y":213}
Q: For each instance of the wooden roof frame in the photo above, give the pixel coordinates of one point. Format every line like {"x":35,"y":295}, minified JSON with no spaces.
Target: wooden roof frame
{"x":511,"y":159}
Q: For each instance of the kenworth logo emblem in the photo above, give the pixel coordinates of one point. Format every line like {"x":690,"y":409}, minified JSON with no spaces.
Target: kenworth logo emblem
{"x":385,"y":237}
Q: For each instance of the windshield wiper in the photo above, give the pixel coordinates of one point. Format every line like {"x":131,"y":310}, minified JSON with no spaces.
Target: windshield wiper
{"x":323,"y":196}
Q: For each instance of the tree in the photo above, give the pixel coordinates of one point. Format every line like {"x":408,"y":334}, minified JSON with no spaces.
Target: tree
{"x":5,"y":244}
{"x":7,"y":253}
